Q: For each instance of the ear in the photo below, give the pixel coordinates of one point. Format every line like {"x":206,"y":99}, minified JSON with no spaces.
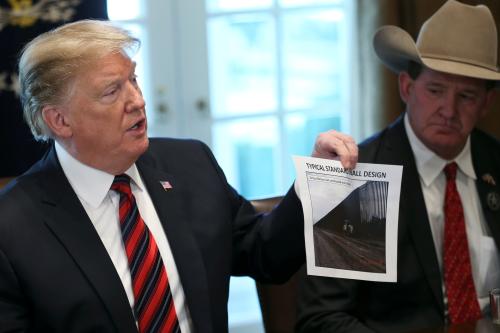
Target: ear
{"x":405,"y":85}
{"x":55,"y":119}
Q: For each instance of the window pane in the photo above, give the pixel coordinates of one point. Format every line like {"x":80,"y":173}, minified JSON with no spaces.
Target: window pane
{"x":245,"y":314}
{"x":301,"y":131}
{"x":293,"y":3}
{"x":314,"y":60}
{"x":242,"y":64}
{"x":124,"y":10}
{"x":226,"y":5}
{"x":247,"y":151}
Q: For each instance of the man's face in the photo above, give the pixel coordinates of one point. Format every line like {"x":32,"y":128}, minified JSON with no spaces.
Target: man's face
{"x":106,"y":115}
{"x":444,"y":108}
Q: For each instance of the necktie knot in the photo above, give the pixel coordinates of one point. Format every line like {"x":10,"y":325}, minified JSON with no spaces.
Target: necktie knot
{"x":450,"y":170}
{"x":121,"y":184}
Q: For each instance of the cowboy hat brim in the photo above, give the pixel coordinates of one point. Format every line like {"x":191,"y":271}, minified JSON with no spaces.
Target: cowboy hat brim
{"x":395,"y":48}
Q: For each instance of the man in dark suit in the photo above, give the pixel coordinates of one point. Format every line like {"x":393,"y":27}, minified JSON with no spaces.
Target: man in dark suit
{"x":446,"y":80}
{"x":114,"y":232}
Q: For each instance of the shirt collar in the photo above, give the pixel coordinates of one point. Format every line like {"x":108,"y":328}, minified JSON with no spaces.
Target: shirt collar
{"x":429,"y":165}
{"x":90,"y":184}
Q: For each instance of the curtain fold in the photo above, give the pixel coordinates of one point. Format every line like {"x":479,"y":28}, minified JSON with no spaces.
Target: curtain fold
{"x":376,"y":87}
{"x":21,"y":21}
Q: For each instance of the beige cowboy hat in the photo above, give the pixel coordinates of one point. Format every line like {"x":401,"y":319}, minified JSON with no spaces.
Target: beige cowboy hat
{"x":458,"y":39}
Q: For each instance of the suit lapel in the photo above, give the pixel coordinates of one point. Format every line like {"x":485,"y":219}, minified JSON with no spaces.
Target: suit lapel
{"x":170,"y":205}
{"x":413,"y":214}
{"x":488,"y":188}
{"x":66,"y":218}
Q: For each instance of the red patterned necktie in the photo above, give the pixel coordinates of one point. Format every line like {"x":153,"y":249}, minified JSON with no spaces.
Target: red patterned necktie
{"x":462,"y":298}
{"x":154,"y":308}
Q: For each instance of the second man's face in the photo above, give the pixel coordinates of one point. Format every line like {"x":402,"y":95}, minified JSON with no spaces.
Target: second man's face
{"x":444,"y":108}
{"x":106,"y":113}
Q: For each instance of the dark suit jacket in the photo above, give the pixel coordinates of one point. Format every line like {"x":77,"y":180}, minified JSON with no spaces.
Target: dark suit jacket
{"x":56,"y":276}
{"x":416,"y":300}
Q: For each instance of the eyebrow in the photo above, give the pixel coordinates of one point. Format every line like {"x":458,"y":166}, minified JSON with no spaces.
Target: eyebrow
{"x":116,"y":79}
{"x":134,"y":66}
{"x":434,"y":84}
{"x":467,"y":88}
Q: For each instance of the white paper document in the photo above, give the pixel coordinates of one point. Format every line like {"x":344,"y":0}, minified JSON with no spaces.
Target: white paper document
{"x":350,"y":218}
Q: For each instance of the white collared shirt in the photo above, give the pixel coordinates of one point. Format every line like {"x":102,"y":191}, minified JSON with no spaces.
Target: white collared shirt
{"x":483,"y":251}
{"x":92,"y":187}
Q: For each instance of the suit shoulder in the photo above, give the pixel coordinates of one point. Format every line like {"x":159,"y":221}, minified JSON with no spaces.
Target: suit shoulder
{"x":178,"y":151}
{"x":485,"y":140}
{"x":19,"y":186}
{"x":485,"y":150}
{"x":372,"y":140}
{"x":369,"y":147}
{"x":161,"y":144}
{"x":24,"y":181}
{"x":17,"y":202}
{"x":395,"y":129}
{"x":392,"y":134}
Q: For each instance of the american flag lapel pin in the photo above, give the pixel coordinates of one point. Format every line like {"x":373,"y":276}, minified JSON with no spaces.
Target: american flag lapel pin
{"x":166,"y":185}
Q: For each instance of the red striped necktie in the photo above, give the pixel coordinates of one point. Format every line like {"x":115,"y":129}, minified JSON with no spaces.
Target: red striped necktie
{"x":463,"y":305}
{"x":154,"y":307}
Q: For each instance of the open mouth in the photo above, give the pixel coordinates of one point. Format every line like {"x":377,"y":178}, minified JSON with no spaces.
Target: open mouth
{"x":138,"y":125}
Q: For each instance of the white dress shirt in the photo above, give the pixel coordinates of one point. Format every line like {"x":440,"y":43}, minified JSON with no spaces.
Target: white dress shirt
{"x":92,"y":187}
{"x":483,"y":251}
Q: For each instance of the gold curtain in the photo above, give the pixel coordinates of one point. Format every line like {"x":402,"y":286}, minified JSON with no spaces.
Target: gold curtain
{"x":378,"y":95}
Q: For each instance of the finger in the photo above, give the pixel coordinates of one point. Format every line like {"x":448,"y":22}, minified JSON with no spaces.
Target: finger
{"x":333,"y":144}
{"x":348,"y":156}
{"x":329,"y":145}
{"x":326,"y":145}
{"x":345,"y":148}
{"x":351,"y":158}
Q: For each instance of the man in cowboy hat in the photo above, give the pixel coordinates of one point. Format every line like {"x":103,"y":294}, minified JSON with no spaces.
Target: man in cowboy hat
{"x":449,"y":229}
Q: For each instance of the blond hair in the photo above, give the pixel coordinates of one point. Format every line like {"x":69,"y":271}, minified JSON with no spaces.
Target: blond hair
{"x":49,"y":63}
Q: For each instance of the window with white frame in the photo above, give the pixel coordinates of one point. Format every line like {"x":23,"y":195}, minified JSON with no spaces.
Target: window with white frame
{"x":279,"y":75}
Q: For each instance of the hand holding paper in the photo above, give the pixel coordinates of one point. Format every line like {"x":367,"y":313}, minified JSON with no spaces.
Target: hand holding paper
{"x":338,"y":146}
